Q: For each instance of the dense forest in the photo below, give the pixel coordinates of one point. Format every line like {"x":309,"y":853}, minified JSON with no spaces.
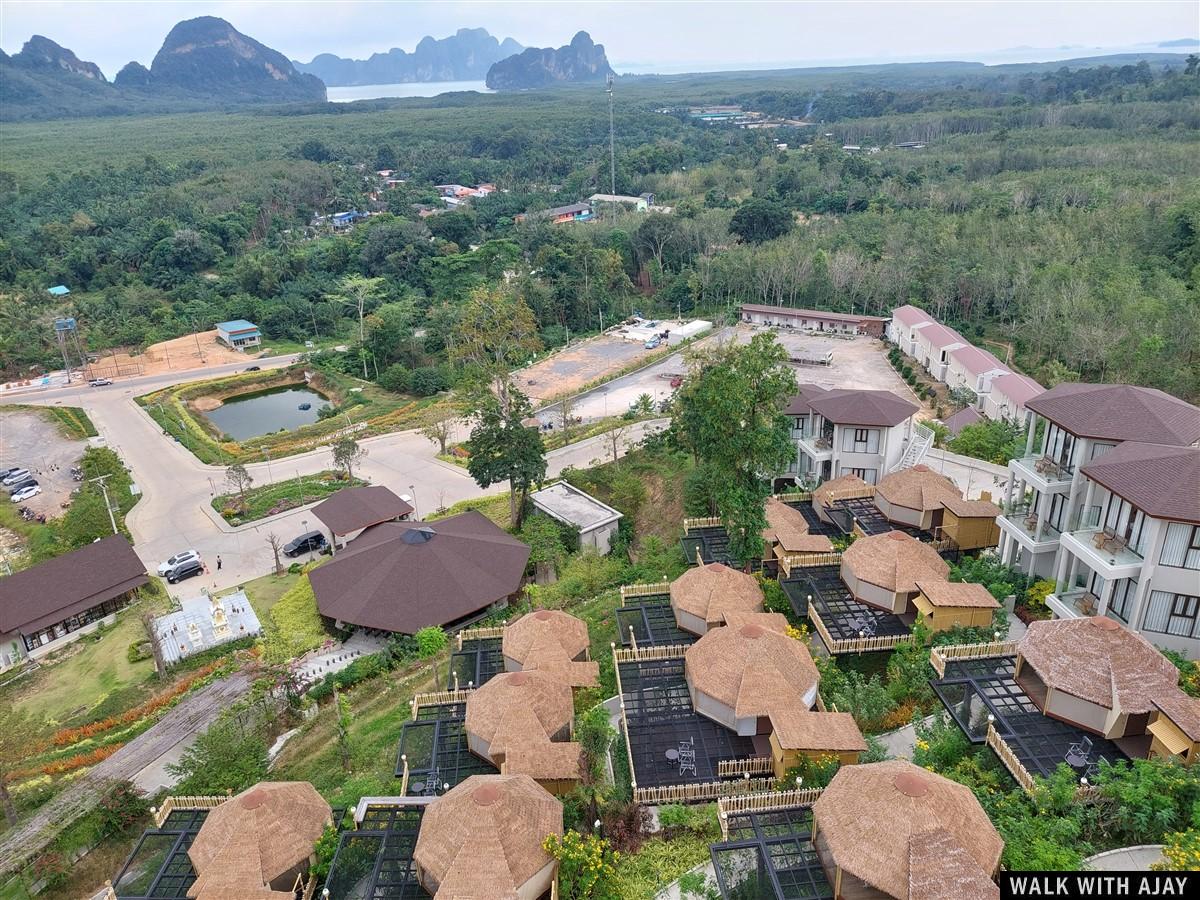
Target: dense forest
{"x":1057,"y":210}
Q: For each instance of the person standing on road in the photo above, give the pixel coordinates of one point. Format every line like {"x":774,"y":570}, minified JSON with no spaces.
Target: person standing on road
{"x":218,"y":564}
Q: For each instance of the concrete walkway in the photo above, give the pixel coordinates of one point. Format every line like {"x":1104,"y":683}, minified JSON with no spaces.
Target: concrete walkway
{"x":1128,"y":859}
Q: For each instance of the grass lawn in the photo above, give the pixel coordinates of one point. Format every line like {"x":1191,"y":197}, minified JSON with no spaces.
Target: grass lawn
{"x":271,"y":499}
{"x":264,"y":591}
{"x":495,"y":507}
{"x":88,"y":673}
{"x":72,"y":421}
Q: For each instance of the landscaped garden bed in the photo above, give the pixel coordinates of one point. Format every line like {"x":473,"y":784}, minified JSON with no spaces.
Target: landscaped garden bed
{"x":359,"y":408}
{"x":272,"y":499}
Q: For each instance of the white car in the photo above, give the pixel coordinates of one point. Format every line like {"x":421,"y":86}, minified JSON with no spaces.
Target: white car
{"x":176,"y":561}
{"x":26,"y":493}
{"x":14,"y":476}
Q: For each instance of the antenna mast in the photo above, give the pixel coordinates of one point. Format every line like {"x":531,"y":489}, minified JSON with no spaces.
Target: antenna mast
{"x":612,"y":148}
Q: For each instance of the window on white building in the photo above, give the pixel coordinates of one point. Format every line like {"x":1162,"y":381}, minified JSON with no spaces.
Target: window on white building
{"x":1121,"y":605}
{"x":1176,"y":614}
{"x":1182,"y":546}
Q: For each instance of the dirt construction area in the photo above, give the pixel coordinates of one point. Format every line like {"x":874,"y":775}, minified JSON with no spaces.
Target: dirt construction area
{"x":858,"y":362}
{"x":567,"y":371}
{"x":191,"y":352}
{"x":35,"y":443}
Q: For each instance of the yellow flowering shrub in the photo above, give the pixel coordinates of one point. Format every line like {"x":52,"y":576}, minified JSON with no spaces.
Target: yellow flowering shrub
{"x":586,"y":866}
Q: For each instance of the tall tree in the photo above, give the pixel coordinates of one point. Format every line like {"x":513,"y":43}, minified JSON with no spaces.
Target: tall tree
{"x":502,"y":447}
{"x":496,"y":332}
{"x":729,"y":413}
{"x":358,"y":291}
{"x":347,"y":454}
{"x":240,"y":480}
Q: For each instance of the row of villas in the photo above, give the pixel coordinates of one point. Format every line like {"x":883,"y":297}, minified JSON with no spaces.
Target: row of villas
{"x":1106,"y":503}
{"x":953,"y":360}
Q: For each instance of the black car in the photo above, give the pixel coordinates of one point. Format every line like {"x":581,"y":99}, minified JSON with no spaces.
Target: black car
{"x":253,"y":368}
{"x":21,"y":485}
{"x":187,"y":570}
{"x":313,"y":540}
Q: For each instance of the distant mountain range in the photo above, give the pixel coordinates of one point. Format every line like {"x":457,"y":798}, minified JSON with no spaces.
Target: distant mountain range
{"x":203,"y":63}
{"x":579,"y":61}
{"x":464,"y":56}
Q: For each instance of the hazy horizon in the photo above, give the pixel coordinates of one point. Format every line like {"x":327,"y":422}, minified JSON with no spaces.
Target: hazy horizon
{"x":669,"y":37}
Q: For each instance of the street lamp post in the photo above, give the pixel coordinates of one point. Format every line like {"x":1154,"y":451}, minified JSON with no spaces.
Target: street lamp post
{"x":413,"y":494}
{"x":304,"y":527}
{"x":267,"y":456}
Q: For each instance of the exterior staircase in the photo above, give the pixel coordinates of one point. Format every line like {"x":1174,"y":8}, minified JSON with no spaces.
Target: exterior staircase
{"x":918,"y":446}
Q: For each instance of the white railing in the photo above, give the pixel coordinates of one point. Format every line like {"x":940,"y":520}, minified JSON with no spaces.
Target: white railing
{"x":755,"y":765}
{"x":939,"y":656}
{"x":918,"y":446}
{"x":702,"y":522}
{"x":1014,"y":765}
{"x":808,"y":561}
{"x":647,"y":654}
{"x":691,"y":793}
{"x":862,"y":644}
{"x":439,"y":698}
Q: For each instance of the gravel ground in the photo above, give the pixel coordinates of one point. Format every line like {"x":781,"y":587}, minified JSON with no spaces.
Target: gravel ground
{"x":33,"y":442}
{"x":569,"y":370}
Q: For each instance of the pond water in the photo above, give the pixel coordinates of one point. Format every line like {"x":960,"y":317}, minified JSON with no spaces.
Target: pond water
{"x":249,"y":415}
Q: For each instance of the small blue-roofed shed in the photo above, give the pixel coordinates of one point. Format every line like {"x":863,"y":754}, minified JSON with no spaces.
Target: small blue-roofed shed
{"x":239,"y":334}
{"x":59,"y":290}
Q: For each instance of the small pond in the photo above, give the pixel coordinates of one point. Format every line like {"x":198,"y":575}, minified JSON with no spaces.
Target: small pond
{"x":249,"y":415}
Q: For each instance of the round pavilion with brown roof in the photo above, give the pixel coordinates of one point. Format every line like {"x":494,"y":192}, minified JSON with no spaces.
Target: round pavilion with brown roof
{"x":738,"y":674}
{"x":883,"y":569}
{"x":258,"y":841}
{"x":482,"y":840}
{"x":915,"y":496}
{"x":893,"y":829}
{"x":787,"y":532}
{"x":521,"y":723}
{"x":550,"y":640}
{"x":704,"y":597}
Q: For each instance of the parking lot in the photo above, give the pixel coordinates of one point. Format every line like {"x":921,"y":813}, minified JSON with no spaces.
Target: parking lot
{"x":32,"y":442}
{"x":567,"y":371}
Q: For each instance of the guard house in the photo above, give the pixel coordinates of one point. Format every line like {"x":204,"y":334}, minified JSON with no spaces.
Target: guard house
{"x":47,"y":606}
{"x":597,"y":522}
{"x":239,"y":334}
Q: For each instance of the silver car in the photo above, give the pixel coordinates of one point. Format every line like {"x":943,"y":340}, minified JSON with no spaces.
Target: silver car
{"x":176,"y":561}
{"x":14,"y":476}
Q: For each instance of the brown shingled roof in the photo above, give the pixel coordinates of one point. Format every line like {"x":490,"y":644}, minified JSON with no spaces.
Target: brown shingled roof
{"x":1121,"y":412}
{"x":262,"y":835}
{"x":806,"y":393}
{"x":787,"y":527}
{"x":551,"y":640}
{"x":714,"y":591}
{"x":957,"y":593}
{"x":918,"y":487}
{"x":849,"y":406}
{"x":803,"y":729}
{"x":1099,"y":660}
{"x":874,"y":817}
{"x":403,"y":576}
{"x":894,"y":561}
{"x":1161,"y":481}
{"x":353,"y":508}
{"x":482,"y":840}
{"x":61,"y":587}
{"x":752,"y":666}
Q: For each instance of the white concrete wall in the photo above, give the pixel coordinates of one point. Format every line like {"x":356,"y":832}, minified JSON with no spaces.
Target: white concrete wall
{"x":1081,"y":712}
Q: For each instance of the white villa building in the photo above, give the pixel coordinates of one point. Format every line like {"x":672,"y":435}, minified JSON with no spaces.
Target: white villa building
{"x":854,"y":432}
{"x":1108,"y":506}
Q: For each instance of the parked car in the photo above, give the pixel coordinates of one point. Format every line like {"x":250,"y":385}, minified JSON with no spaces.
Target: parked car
{"x":100,"y":382}
{"x":15,"y":475}
{"x":313,"y":540}
{"x":27,"y":481}
{"x":653,"y":343}
{"x":189,"y":569}
{"x":4,"y":473}
{"x":253,"y":369}
{"x":26,"y":493}
{"x":178,"y":560}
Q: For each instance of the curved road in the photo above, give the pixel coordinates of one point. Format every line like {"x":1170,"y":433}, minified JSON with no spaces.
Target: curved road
{"x":175,"y":512}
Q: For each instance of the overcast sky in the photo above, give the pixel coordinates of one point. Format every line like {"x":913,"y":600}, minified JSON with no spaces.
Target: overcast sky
{"x":639,"y":36}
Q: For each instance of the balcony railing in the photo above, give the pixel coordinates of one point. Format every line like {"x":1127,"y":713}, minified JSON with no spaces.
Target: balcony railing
{"x":1074,"y":603}
{"x":1049,"y":470}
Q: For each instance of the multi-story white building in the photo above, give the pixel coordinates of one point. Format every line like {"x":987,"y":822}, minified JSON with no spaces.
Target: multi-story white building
{"x":1107,"y":504}
{"x":854,"y":432}
{"x":906,"y":322}
{"x":934,"y":345}
{"x":974,"y":369}
{"x":1008,"y":395}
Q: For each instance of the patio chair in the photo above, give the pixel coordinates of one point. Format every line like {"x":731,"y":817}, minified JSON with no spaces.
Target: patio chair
{"x":868,"y":627}
{"x":1094,"y":769}
{"x":687,"y":757}
{"x":1083,"y":747}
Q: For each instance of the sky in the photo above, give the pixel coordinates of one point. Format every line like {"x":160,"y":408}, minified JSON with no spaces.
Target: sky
{"x":645,"y":36}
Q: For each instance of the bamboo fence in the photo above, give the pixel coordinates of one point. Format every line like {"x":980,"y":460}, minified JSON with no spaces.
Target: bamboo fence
{"x":940,"y":656}
{"x":763,"y":802}
{"x":195,"y":802}
{"x":693,"y":793}
{"x":864,"y":644}
{"x":755,"y":765}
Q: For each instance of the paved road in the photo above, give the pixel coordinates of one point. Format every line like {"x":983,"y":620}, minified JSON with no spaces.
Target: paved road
{"x":169,"y":735}
{"x":175,"y":512}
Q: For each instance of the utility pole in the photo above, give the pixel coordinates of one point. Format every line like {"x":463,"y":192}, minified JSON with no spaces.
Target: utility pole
{"x":112,"y":520}
{"x":612,"y":150}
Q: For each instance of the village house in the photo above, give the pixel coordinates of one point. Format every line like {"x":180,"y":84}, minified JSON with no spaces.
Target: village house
{"x":597,"y":522}
{"x":883,"y":570}
{"x":813,"y":319}
{"x":550,"y":640}
{"x":49,"y":605}
{"x":705,"y":597}
{"x":859,"y":432}
{"x":238,"y":334}
{"x":350,"y":511}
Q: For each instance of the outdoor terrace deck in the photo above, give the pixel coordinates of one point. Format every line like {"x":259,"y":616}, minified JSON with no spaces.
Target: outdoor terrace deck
{"x":159,"y":867}
{"x":375,"y":860}
{"x":973,"y":689}
{"x":477,"y":662}
{"x":435,"y":744}
{"x":843,"y":616}
{"x":652,"y":620}
{"x":659,"y":714}
{"x":770,"y":855}
{"x":863,"y":512}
